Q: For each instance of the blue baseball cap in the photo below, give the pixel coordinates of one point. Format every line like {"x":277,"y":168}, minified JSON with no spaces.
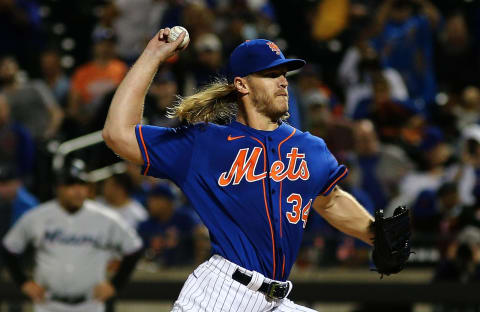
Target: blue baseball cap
{"x":256,"y":55}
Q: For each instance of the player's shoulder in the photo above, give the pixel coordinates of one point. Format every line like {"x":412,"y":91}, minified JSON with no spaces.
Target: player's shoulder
{"x":181,"y":129}
{"x":209,"y":130}
{"x":306,"y":137}
{"x":208,"y":126}
{"x":44,"y":209}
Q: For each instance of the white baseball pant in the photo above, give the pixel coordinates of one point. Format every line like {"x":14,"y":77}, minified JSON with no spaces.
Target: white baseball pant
{"x":211,"y":288}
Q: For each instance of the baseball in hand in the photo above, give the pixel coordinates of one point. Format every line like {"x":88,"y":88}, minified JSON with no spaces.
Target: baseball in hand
{"x":175,"y":32}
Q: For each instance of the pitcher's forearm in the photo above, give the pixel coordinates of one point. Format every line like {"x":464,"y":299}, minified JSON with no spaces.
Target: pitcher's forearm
{"x":358,"y":220}
{"x":346,"y":214}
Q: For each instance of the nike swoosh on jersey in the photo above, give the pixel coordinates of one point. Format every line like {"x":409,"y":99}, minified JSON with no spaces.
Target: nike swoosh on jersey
{"x":230,"y":138}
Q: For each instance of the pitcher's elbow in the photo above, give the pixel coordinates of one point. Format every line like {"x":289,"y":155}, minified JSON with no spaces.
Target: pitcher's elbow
{"x":108,"y":137}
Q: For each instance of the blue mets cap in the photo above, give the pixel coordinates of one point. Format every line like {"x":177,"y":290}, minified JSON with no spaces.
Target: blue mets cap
{"x":256,"y":55}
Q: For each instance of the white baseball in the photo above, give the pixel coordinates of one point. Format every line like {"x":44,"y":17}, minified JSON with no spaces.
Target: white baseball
{"x":175,"y":32}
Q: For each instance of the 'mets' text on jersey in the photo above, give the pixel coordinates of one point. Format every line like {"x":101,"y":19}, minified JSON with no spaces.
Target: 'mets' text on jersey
{"x":253,"y":189}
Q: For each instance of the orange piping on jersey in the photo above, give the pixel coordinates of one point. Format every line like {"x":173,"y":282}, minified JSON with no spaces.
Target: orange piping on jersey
{"x":336,"y":180}
{"x":266,"y":204}
{"x":230,"y":138}
{"x":283,"y":266}
{"x":280,"y":192}
{"x":145,"y":149}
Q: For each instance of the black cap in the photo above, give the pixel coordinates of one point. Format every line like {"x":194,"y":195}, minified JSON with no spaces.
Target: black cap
{"x":73,"y":173}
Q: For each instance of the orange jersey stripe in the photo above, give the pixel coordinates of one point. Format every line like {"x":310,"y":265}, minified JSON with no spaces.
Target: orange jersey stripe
{"x":266,"y":204}
{"x":145,"y":149}
{"x":336,"y":180}
{"x":280,"y":192}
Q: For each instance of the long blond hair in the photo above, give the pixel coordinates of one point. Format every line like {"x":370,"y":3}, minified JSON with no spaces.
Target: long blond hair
{"x":217,"y":103}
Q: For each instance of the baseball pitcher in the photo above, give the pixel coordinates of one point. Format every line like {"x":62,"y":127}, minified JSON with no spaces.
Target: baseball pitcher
{"x":252,"y":178}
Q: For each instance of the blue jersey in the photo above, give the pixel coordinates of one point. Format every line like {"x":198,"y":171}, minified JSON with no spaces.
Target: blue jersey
{"x":252,"y":189}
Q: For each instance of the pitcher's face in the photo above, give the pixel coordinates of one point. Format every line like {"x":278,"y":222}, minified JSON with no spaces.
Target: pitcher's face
{"x":269,"y":92}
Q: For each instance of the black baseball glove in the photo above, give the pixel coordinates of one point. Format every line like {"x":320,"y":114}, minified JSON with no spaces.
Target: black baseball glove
{"x":392,"y":241}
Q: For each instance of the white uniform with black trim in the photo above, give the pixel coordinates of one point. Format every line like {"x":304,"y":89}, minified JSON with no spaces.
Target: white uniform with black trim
{"x":72,"y":250}
{"x":211,"y":288}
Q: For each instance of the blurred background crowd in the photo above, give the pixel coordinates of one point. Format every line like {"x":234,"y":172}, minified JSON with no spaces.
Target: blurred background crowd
{"x":392,"y":86}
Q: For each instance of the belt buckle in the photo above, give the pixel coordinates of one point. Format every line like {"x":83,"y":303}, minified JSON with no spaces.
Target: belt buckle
{"x":277,"y":290}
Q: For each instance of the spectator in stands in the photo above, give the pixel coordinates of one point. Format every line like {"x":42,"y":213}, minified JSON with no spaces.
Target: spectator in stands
{"x":161,"y":96}
{"x":360,"y":71}
{"x":404,"y":42}
{"x":54,"y":76}
{"x":469,"y":170}
{"x":381,"y":165}
{"x":468,"y":177}
{"x":198,"y":18}
{"x":32,"y":103}
{"x":317,"y":113}
{"x":134,"y":22}
{"x":388,"y":115}
{"x":92,"y":81}
{"x":16,"y":144}
{"x":142,"y":185}
{"x":436,"y":217}
{"x":116,"y":195}
{"x":168,"y":233}
{"x":323,"y":122}
{"x":461,"y":265}
{"x":208,"y":59}
{"x":107,"y":14}
{"x":431,"y":171}
{"x":468,"y":110}
{"x":456,"y":55}
{"x":21,"y":30}
{"x":15,"y":199}
{"x":310,"y":81}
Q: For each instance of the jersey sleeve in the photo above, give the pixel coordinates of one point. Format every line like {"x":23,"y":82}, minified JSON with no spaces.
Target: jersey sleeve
{"x":166,"y":152}
{"x":19,"y":235}
{"x":336,"y":172}
{"x":124,"y":237}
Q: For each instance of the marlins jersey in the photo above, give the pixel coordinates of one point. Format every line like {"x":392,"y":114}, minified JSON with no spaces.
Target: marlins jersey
{"x":252,"y":189}
{"x":72,"y":250}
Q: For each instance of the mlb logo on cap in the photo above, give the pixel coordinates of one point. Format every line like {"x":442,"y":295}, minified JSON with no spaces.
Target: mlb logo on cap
{"x":256,"y":55}
{"x":274,"y":47}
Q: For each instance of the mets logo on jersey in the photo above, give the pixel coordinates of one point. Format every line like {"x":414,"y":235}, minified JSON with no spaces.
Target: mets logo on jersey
{"x":274,"y":47}
{"x":244,"y":166}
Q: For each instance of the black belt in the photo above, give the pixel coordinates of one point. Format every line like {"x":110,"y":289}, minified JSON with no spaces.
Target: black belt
{"x":273,"y":289}
{"x":69,"y":300}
